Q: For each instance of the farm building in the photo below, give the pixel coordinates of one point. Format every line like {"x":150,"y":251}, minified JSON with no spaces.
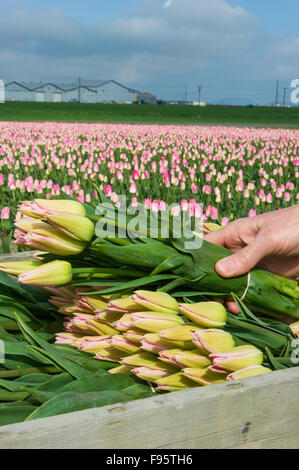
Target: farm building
{"x":95,"y":91}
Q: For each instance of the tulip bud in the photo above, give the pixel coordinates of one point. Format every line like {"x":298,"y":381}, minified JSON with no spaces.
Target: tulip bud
{"x":150,"y":375}
{"x":153,"y":343}
{"x":156,"y":301}
{"x":55,"y":273}
{"x":123,"y":344}
{"x":40,"y":207}
{"x":175,"y":382}
{"x":145,"y":359}
{"x":180,"y":336}
{"x":120,"y":370}
{"x":210,"y":227}
{"x":250,"y":371}
{"x":295,"y":328}
{"x":236,"y":359}
{"x":110,"y":355}
{"x":91,"y":304}
{"x":73,"y":226}
{"x":85,"y":324}
{"x":134,"y":335}
{"x":28,"y":224}
{"x":108,"y":317}
{"x":153,"y":322}
{"x":203,"y":376}
{"x":208,"y":314}
{"x":95,"y":344}
{"x":125,"y":323}
{"x":185,"y":358}
{"x":212,"y":341}
{"x":69,"y":338}
{"x":19,"y":267}
{"x":52,"y":241}
{"x":123,"y":305}
{"x":103,"y":328}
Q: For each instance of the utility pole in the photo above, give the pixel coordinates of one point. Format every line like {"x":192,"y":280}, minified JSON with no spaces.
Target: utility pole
{"x":79,"y":90}
{"x":277,"y":92}
{"x":186,"y":93}
{"x":199,"y":93}
{"x":284,"y":96}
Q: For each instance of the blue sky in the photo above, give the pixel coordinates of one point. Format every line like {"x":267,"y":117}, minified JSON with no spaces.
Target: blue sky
{"x":236,"y":49}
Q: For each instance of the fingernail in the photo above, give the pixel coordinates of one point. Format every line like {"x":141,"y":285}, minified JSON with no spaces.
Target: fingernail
{"x":226,"y":266}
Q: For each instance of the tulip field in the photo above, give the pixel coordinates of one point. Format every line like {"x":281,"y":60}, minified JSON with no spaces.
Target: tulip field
{"x":95,"y":319}
{"x":233,"y":172}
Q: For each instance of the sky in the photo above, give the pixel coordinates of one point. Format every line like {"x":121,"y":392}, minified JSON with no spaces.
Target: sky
{"x":235,"y":49}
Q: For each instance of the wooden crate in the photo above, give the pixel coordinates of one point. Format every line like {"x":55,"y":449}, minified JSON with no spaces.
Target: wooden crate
{"x":261,"y":412}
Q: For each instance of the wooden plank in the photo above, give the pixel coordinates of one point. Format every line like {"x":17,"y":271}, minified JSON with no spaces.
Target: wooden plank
{"x":261,"y":412}
{"x":24,"y":256}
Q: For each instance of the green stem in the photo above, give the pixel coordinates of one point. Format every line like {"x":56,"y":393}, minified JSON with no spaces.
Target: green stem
{"x":10,"y":374}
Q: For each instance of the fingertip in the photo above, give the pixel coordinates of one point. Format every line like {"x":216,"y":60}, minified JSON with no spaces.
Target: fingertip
{"x":233,"y":307}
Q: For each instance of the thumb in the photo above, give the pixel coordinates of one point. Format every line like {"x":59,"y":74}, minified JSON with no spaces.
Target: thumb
{"x":242,"y":261}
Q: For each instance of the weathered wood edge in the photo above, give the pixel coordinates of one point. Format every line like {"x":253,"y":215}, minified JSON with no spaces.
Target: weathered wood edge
{"x":261,"y":412}
{"x":22,"y":256}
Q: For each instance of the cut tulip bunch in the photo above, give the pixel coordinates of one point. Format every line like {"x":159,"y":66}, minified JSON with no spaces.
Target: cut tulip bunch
{"x":62,"y":228}
{"x":59,"y":227}
{"x":150,"y":335}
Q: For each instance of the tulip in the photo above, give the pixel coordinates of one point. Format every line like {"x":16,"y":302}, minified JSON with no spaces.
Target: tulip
{"x":51,"y":240}
{"x":295,"y":328}
{"x":110,"y":355}
{"x":108,"y":317}
{"x":103,"y":328}
{"x":134,"y":335}
{"x":156,"y":301}
{"x":212,"y":341}
{"x":125,"y":323}
{"x":150,"y":375}
{"x":208,"y":314}
{"x":211,"y":227}
{"x":175,"y":382}
{"x":153,"y":322}
{"x":203,"y":376}
{"x":91,"y":303}
{"x":123,"y":344}
{"x":180,"y":336}
{"x":250,"y":371}
{"x":95,"y":344}
{"x":19,"y":267}
{"x":185,"y":358}
{"x":123,"y":305}
{"x":41,"y":207}
{"x":73,"y":226}
{"x":5,"y":213}
{"x":120,"y":370}
{"x":236,"y":359}
{"x":28,"y":224}
{"x":85,"y":324}
{"x":69,"y":338}
{"x":153,"y":343}
{"x":55,"y":273}
{"x":145,"y":359}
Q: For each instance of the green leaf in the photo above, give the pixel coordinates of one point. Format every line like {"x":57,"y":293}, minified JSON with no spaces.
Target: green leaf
{"x":55,"y":383}
{"x":50,"y":352}
{"x":15,"y":414}
{"x":100,"y":383}
{"x":69,"y":402}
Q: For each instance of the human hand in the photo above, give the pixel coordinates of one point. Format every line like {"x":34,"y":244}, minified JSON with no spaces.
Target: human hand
{"x":270,"y":241}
